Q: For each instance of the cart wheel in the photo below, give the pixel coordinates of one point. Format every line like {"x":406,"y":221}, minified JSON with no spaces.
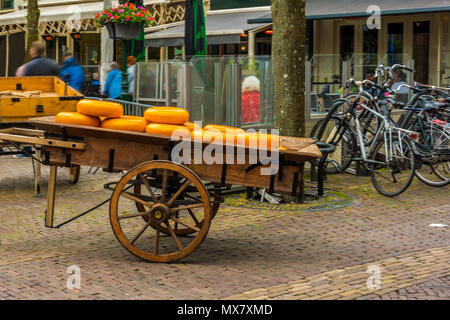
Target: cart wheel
{"x":167,"y":211}
{"x":181,"y":230}
{"x":75,"y":174}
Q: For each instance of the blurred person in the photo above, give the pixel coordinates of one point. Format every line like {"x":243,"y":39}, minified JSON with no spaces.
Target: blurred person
{"x":373,"y":91}
{"x":399,"y":79}
{"x":72,"y":72}
{"x":113,"y":85}
{"x":95,"y":84}
{"x":39,"y":65}
{"x":131,"y":65}
{"x":250,"y":104}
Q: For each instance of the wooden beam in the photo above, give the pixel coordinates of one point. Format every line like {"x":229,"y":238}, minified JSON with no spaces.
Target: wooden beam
{"x":5,"y":137}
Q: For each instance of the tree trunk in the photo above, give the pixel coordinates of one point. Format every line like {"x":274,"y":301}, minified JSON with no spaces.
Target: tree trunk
{"x":288,"y":56}
{"x":32,"y":25}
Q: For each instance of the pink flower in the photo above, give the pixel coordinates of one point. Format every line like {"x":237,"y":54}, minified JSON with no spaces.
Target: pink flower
{"x":120,"y":11}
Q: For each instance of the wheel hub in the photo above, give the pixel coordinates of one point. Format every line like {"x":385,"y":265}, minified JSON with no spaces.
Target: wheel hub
{"x":159,"y":212}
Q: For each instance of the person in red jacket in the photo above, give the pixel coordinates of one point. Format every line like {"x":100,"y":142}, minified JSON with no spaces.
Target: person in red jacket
{"x":250,"y":104}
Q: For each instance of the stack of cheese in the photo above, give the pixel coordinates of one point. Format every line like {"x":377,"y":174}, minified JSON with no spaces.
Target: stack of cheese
{"x":104,"y":114}
{"x":163,"y":121}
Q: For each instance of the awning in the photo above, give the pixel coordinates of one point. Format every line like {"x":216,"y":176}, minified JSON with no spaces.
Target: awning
{"x":55,"y":13}
{"x":329,"y":9}
{"x":221,"y":28}
{"x":86,"y":10}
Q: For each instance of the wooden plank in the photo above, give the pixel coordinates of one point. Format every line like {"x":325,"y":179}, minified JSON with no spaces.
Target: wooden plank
{"x":5,"y":137}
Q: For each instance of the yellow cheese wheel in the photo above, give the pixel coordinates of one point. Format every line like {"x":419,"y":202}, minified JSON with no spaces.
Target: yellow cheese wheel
{"x":100,"y":108}
{"x":259,"y":140}
{"x":127,"y":123}
{"x":168,"y":130}
{"x":193,"y":126}
{"x":224,"y":129}
{"x":167,"y":115}
{"x":209,"y":136}
{"x":78,"y":119}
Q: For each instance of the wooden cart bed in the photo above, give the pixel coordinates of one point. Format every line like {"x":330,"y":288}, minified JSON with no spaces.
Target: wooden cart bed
{"x":115,"y":150}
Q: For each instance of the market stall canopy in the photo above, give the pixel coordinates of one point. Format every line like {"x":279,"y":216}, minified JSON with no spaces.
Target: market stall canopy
{"x":329,"y":9}
{"x":222,"y":27}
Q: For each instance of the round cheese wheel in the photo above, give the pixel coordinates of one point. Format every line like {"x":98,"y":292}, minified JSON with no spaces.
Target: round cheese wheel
{"x":167,"y":115}
{"x":209,"y":136}
{"x":259,"y":140}
{"x":100,"y":108}
{"x":224,"y":129}
{"x":168,"y":130}
{"x":127,"y":123}
{"x":78,"y":119}
{"x":193,"y":126}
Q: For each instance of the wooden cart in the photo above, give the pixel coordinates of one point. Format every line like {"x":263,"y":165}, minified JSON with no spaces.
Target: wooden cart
{"x":176,"y":202}
{"x":22,"y":98}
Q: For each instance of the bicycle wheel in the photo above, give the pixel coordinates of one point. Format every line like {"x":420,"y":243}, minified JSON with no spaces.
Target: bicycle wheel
{"x":394,"y":170}
{"x":336,"y":131}
{"x":434,"y":169}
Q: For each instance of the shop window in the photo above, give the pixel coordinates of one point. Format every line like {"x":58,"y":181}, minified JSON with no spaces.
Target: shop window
{"x":62,"y":49}
{"x":7,"y":4}
{"x":347,"y":41}
{"x":51,"y":48}
{"x":421,"y":49}
{"x":395,"y":43}
{"x":154,"y":53}
{"x":370,"y":51}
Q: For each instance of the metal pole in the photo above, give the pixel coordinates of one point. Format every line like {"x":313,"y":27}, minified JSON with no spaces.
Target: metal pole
{"x":107,"y":50}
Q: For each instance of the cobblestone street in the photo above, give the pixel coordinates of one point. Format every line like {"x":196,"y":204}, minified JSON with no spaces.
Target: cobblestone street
{"x":248,"y":254}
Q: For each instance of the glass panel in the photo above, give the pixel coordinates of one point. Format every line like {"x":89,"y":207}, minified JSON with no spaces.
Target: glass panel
{"x":256,"y":91}
{"x":326,"y":81}
{"x":421,"y":49}
{"x":151,"y":82}
{"x":395,"y":43}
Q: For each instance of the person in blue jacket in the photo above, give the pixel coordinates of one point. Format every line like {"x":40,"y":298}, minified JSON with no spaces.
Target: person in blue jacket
{"x":113,"y":85}
{"x":72,"y":72}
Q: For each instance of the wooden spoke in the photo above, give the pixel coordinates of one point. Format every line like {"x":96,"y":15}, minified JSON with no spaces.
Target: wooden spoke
{"x":174,"y":236}
{"x":164,"y":186}
{"x":191,"y":213}
{"x":185,"y":224}
{"x":149,"y":188}
{"x":129,"y":216}
{"x":190,"y":206}
{"x":141,"y":232}
{"x":134,"y":198}
{"x":155,"y":249}
{"x":179,"y":192}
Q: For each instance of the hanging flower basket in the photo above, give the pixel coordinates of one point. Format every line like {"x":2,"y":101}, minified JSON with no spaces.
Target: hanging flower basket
{"x":125,"y":21}
{"x":123,"y":30}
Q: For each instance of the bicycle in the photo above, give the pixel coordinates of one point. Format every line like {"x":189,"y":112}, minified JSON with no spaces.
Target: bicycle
{"x":390,"y":155}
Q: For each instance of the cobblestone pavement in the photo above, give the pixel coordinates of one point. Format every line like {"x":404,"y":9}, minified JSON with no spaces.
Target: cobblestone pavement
{"x":249,"y":253}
